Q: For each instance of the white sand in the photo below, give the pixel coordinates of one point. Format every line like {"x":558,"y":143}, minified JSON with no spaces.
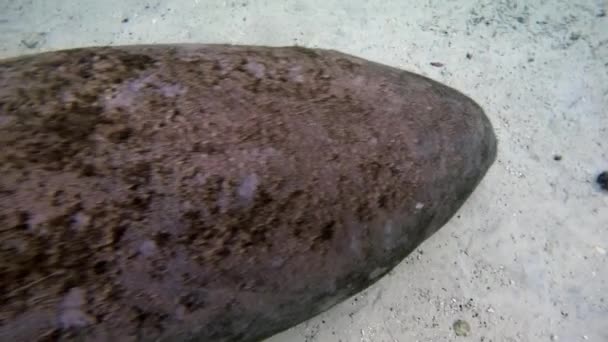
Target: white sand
{"x":525,"y":260}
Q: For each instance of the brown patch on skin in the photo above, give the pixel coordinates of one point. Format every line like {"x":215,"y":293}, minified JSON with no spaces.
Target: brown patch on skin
{"x":52,"y":116}
{"x":58,"y":116}
{"x":248,"y":175}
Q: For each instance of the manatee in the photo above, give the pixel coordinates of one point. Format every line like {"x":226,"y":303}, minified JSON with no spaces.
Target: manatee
{"x":216,"y":192}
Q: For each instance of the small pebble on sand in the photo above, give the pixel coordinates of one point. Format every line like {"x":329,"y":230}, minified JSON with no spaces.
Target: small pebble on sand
{"x":461,"y":328}
{"x":602,"y":180}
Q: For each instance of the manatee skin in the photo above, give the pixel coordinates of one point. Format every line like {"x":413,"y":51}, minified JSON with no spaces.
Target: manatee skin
{"x":213,"y":192}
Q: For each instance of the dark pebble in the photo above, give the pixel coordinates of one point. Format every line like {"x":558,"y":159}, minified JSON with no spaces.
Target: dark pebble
{"x":557,"y":157}
{"x":437,"y":64}
{"x":602,"y":180}
{"x":125,"y":20}
{"x":469,"y":56}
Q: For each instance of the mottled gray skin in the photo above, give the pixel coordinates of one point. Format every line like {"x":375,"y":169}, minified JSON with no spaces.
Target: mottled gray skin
{"x":216,"y":193}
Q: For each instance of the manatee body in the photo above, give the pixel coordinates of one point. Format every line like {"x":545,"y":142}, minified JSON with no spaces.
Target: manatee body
{"x":216,"y":193}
